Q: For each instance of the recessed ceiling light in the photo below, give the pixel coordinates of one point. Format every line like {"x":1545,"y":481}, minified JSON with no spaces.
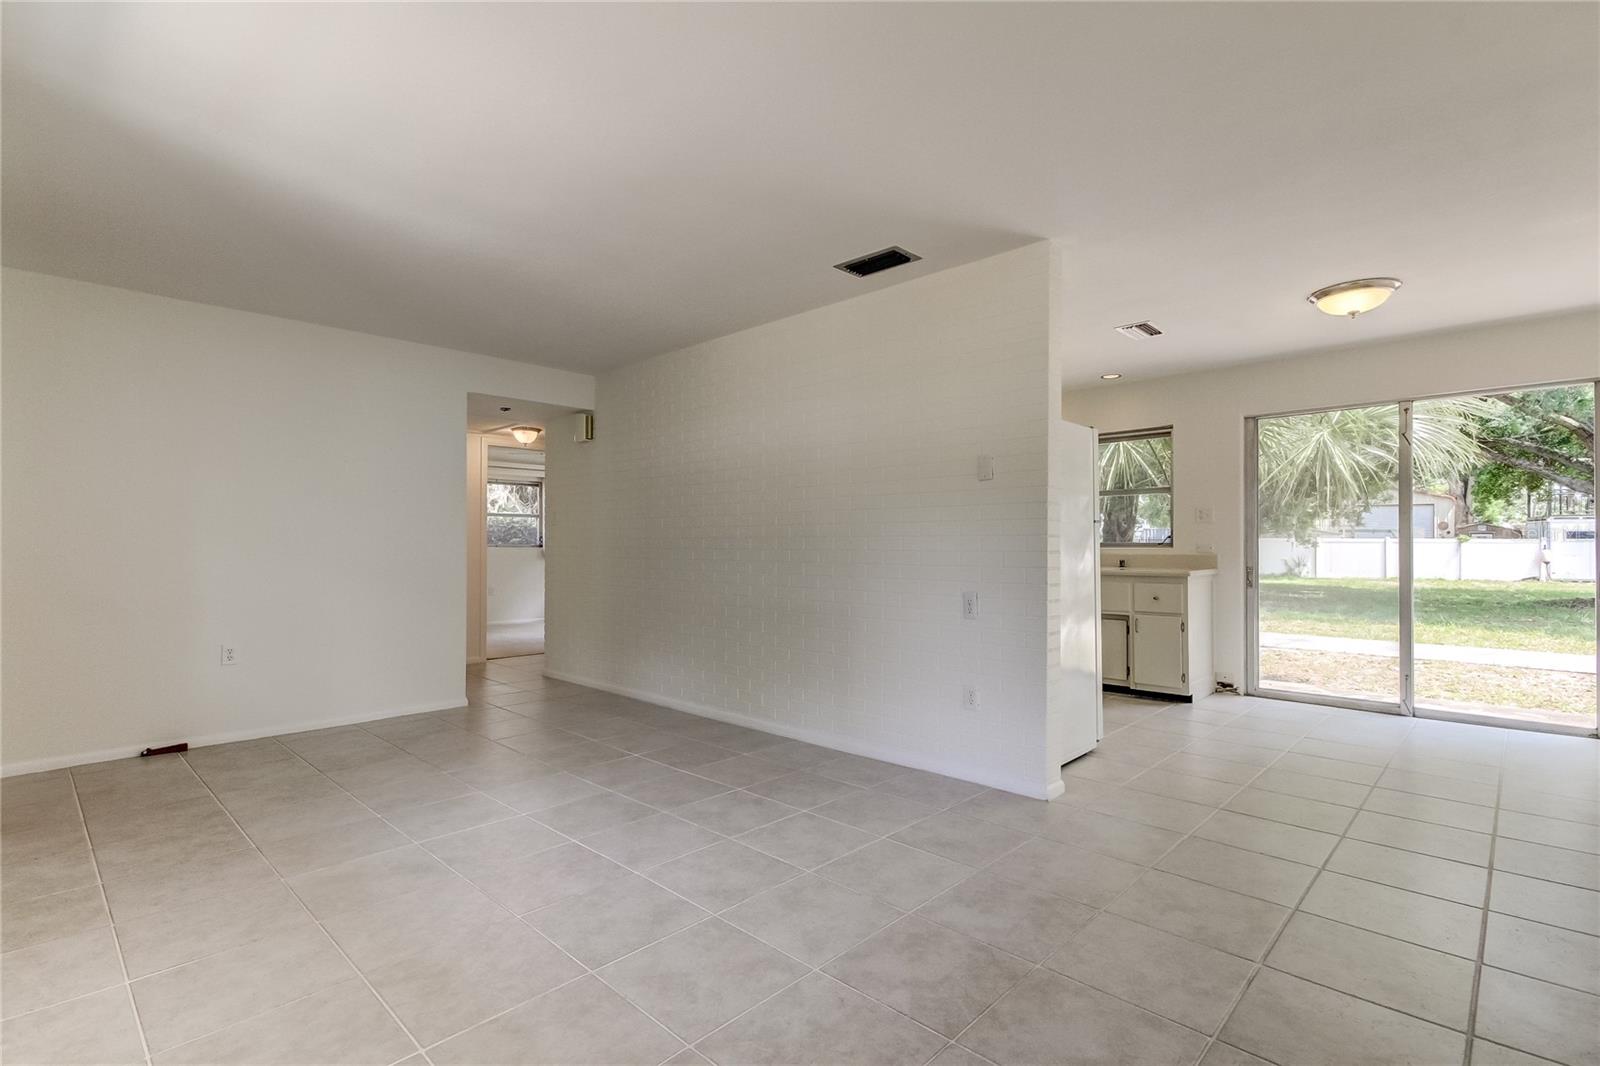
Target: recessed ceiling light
{"x":1352,"y":298}
{"x":1109,"y":377}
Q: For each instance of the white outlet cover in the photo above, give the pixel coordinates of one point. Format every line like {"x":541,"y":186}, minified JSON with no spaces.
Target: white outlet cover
{"x":969,"y":606}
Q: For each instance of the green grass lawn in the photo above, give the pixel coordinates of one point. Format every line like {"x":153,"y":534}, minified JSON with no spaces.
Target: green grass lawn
{"x":1530,"y":615}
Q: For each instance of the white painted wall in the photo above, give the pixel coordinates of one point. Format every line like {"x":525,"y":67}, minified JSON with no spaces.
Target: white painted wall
{"x":516,"y":584}
{"x":777,"y":526}
{"x":177,"y":476}
{"x":1207,"y":412}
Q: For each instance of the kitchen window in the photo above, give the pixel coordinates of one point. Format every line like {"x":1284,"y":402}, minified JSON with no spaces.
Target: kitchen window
{"x":1136,"y":488}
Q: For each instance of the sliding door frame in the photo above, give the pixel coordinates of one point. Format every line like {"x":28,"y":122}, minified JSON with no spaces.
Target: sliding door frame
{"x":1406,"y":703}
{"x":1252,"y":570}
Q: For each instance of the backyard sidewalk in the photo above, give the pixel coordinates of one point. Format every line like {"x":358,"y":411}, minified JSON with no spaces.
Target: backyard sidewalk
{"x":1565,"y":662}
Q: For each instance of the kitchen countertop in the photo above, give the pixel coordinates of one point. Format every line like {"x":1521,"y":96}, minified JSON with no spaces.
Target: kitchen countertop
{"x":1152,"y":571}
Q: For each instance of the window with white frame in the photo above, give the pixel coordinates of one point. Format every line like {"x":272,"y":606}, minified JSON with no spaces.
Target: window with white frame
{"x":516,"y":518}
{"x":1136,"y":488}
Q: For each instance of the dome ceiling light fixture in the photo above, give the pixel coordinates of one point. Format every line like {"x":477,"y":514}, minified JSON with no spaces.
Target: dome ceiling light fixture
{"x":1109,"y":377}
{"x":526,"y":434}
{"x":1352,"y":298}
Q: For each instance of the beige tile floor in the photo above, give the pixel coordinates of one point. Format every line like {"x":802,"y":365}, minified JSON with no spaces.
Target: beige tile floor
{"x":554,"y":874}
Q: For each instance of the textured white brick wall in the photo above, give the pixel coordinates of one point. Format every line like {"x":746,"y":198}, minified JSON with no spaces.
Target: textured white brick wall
{"x":777,"y":526}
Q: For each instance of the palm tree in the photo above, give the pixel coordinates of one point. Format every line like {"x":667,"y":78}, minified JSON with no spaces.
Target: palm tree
{"x":1330,"y":467}
{"x":1129,"y":471}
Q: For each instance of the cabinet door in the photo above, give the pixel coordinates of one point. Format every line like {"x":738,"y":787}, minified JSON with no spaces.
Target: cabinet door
{"x":1158,"y":651}
{"x":1114,"y":649}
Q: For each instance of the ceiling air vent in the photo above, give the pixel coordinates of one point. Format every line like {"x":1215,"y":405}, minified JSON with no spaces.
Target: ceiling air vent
{"x":877,"y":261}
{"x":1139,"y":329}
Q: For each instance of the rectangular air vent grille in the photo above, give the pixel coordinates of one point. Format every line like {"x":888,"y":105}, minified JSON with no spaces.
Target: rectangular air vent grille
{"x":877,"y":261}
{"x":1139,"y":329}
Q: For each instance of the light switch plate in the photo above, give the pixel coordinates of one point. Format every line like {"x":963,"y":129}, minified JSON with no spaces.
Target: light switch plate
{"x":985,"y":468}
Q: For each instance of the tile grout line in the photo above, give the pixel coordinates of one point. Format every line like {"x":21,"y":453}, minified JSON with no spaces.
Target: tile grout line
{"x":116,"y":938}
{"x":1297,"y":907}
{"x":803,"y":871}
{"x":1261,"y":961}
{"x":639,"y":873}
{"x":1098,"y":912}
{"x":1472,"y":1002}
{"x":1483,"y":925}
{"x":315,"y":920}
{"x":818,"y":968}
{"x":733,"y":753}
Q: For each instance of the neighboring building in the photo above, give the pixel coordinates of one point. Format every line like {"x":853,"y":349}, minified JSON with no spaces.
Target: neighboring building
{"x":1489,"y":531}
{"x":1432,"y":515}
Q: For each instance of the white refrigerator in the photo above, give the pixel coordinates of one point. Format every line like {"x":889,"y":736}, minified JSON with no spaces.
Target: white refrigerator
{"x":1076,"y":715}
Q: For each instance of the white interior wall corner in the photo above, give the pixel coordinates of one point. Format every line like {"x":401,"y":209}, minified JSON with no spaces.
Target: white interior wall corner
{"x":776,"y":526}
{"x":293,"y":490}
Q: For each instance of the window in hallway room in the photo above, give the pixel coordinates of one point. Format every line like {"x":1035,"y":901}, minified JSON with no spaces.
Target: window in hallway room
{"x":514,"y":515}
{"x":514,"y":502}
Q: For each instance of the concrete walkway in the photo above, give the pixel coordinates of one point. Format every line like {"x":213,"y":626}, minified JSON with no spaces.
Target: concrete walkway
{"x":1565,"y":662}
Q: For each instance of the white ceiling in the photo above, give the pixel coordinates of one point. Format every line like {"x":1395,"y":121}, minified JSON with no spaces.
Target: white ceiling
{"x":583,"y":185}
{"x":484,"y":414}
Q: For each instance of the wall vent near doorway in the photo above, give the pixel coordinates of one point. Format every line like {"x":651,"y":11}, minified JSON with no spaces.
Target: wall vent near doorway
{"x":1139,"y":329}
{"x":864,"y":265}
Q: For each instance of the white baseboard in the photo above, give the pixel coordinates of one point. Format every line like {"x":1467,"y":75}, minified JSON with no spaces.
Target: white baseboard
{"x":83,"y":758}
{"x":1031,"y":789}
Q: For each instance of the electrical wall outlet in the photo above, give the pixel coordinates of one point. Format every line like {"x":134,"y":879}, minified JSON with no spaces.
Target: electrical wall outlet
{"x":969,"y":606}
{"x":969,"y":698}
{"x":230,"y":655}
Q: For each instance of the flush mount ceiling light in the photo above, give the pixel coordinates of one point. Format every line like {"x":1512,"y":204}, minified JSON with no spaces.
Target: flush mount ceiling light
{"x":526,"y":434}
{"x":1352,"y":298}
{"x":1109,"y":377}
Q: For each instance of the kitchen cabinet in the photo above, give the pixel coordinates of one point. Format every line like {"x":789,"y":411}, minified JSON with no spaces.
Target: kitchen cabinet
{"x":1155,"y":628}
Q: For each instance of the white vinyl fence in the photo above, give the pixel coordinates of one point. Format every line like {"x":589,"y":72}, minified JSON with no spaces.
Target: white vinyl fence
{"x":1452,"y":560}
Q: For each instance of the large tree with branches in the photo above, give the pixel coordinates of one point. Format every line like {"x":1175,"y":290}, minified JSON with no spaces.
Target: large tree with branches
{"x":1531,"y":441}
{"x":1328,"y":468}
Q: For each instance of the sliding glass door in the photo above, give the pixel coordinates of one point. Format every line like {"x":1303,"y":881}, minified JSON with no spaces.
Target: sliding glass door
{"x":1433,"y":558}
{"x":1504,"y":574}
{"x":1329,"y":472}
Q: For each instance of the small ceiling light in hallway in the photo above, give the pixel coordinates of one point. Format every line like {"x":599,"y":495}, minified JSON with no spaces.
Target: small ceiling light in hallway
{"x":1352,"y":298}
{"x":526,"y":434}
